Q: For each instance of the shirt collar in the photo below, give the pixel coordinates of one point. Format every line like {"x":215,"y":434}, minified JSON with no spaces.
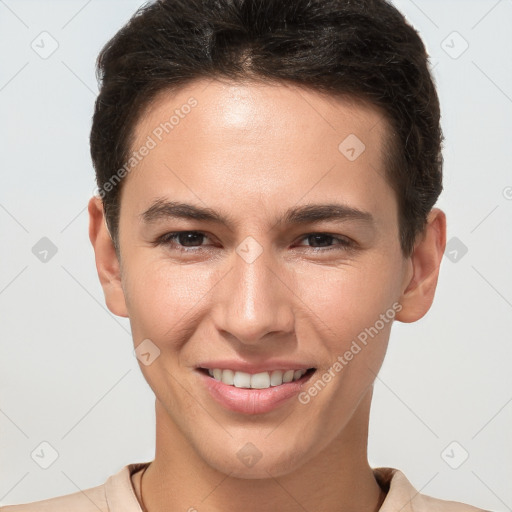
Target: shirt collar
{"x":119,"y":490}
{"x":400,"y":492}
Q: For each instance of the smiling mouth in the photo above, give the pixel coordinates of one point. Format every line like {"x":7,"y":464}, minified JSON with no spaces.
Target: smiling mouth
{"x":262,"y":380}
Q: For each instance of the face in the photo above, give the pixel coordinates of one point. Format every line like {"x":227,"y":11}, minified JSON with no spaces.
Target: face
{"x":286,"y":257}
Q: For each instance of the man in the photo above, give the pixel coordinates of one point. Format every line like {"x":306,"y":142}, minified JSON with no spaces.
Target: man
{"x":267,"y":175}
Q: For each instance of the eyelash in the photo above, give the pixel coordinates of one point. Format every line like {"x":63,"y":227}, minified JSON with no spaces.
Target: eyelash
{"x":169,"y":238}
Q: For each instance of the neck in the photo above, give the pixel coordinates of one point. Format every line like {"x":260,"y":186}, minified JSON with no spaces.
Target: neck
{"x":337,"y":479}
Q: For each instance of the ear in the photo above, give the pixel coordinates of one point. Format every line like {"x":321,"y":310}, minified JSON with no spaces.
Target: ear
{"x":107,"y":263}
{"x":425,"y":261}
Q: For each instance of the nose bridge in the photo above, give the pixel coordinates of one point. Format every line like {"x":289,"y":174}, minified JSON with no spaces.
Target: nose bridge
{"x":254,"y":299}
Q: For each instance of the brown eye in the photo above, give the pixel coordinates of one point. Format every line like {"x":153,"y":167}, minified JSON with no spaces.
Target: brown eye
{"x":327,"y":241}
{"x":181,"y":240}
{"x":189,"y":239}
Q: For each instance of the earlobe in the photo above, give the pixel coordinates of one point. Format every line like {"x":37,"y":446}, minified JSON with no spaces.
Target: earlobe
{"x":418,"y":292}
{"x":107,"y":262}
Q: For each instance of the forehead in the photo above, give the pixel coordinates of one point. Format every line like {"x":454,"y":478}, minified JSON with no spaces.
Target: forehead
{"x":259,"y":143}
{"x":255,"y":109}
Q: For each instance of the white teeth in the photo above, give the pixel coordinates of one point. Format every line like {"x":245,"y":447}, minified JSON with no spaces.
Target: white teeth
{"x":276,"y":378}
{"x":242,"y":380}
{"x":228,"y":376}
{"x":288,"y":376}
{"x":261,"y":380}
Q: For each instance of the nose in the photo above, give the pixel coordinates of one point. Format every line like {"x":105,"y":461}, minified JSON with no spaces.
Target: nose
{"x":254,"y":300}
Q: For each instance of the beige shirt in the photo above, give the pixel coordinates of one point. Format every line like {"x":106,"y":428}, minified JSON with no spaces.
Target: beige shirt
{"x":118,"y":494}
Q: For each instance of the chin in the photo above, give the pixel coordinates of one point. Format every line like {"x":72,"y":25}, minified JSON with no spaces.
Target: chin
{"x":251,"y":464}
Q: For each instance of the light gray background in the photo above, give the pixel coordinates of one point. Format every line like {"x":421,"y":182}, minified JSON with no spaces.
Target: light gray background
{"x":67,"y":371}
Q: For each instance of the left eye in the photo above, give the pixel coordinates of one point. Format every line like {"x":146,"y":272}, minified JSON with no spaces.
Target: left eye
{"x":188,"y":241}
{"x":343,"y":242}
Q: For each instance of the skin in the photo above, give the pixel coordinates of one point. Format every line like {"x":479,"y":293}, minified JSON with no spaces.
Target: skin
{"x":251,"y":151}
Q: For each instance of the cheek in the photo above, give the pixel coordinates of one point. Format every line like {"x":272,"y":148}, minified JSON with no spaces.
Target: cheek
{"x":163,"y":296}
{"x":345,"y":301}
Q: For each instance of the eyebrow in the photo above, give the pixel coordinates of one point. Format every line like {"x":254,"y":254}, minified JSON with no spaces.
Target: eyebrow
{"x":163,"y":209}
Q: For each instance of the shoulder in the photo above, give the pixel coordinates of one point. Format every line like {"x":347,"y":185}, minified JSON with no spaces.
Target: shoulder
{"x":401,"y":495}
{"x":90,"y":500}
{"x":435,"y":504}
{"x":116,"y":494}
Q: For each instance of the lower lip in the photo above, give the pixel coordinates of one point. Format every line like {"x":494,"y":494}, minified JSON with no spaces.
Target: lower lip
{"x":252,"y":401}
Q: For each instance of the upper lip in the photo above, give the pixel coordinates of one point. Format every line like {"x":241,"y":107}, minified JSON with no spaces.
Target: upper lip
{"x":247,"y":367}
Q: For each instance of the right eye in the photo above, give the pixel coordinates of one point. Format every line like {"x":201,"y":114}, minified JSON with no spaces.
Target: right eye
{"x":182,"y":241}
